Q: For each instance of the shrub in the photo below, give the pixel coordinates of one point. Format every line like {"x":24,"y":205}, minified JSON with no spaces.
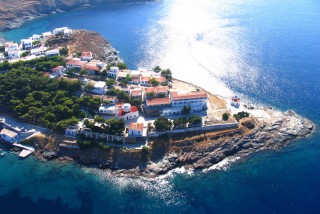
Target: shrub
{"x":103,"y":147}
{"x":241,"y":115}
{"x":248,"y":124}
{"x":225,"y":116}
{"x":145,"y":149}
{"x":85,"y":144}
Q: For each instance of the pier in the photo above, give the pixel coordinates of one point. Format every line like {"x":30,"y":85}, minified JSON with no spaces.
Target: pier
{"x":26,"y":150}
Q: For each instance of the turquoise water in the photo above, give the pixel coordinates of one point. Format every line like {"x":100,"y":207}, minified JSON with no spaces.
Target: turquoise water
{"x":267,"y":51}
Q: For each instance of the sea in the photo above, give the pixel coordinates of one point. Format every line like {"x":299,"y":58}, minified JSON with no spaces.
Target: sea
{"x":267,"y":52}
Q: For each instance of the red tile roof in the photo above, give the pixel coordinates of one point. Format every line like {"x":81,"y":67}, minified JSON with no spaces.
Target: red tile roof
{"x":91,"y":68}
{"x":57,"y":69}
{"x":147,"y":79}
{"x":160,"y":79}
{"x":157,"y":89}
{"x":158,"y":101}
{"x":136,"y":126}
{"x":193,"y":95}
{"x":161,"y":89}
{"x":132,"y":109}
{"x":135,"y":93}
{"x":149,"y":90}
{"x":76,"y":63}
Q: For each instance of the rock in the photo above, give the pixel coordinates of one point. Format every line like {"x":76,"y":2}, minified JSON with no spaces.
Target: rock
{"x":49,"y":155}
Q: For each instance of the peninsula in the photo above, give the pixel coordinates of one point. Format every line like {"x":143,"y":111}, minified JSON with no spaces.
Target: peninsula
{"x":66,"y":95}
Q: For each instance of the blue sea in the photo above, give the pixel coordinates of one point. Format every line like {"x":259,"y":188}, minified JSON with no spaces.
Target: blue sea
{"x":266,"y":51}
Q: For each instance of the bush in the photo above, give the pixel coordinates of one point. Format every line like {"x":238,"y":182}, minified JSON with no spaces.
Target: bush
{"x":225,"y":116}
{"x":63,"y":51}
{"x":103,"y":147}
{"x":122,"y":65}
{"x":85,"y":144}
{"x":195,"y":120}
{"x":26,"y":53}
{"x":241,"y":115}
{"x":248,"y":124}
{"x":145,"y":149}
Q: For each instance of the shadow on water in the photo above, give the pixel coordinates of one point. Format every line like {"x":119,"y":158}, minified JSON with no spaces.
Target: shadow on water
{"x":13,"y":203}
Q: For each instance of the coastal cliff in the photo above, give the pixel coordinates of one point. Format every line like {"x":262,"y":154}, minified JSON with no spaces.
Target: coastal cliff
{"x":13,"y":13}
{"x":198,"y":150}
{"x":82,"y":41}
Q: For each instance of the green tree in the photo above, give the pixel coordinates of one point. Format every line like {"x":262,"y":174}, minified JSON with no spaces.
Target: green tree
{"x":26,"y":53}
{"x":83,"y":72}
{"x":88,"y":87}
{"x":162,"y":124}
{"x":104,"y":73}
{"x":110,"y":82}
{"x":121,"y":65}
{"x":195,"y":120}
{"x":34,"y":43}
{"x":99,"y":119}
{"x":167,"y":74}
{"x":64,"y":51}
{"x":150,"y":95}
{"x":157,"y":69}
{"x":225,"y":116}
{"x":186,"y":110}
{"x":154,"y":82}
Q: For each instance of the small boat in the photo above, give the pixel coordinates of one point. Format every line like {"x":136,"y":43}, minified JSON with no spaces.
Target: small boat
{"x":3,"y":154}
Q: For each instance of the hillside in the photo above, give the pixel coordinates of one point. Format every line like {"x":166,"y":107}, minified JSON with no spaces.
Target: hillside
{"x":82,"y":40}
{"x":13,"y":13}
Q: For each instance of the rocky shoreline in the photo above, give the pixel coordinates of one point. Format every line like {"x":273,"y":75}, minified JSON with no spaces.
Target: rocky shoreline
{"x":14,"y":13}
{"x":194,"y":151}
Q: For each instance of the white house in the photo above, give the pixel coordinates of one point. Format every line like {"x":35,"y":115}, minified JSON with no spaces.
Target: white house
{"x":145,"y":81}
{"x":10,"y":46}
{"x":38,"y":51}
{"x":54,"y":52}
{"x":111,"y":110}
{"x":57,"y":71}
{"x":26,"y":43}
{"x":99,"y":88}
{"x":86,"y":56}
{"x":75,"y":63}
{"x":59,"y":30}
{"x":35,"y":37}
{"x":113,"y":72}
{"x":14,"y":54}
{"x":135,"y":130}
{"x":135,"y":76}
{"x":193,"y":99}
{"x":128,"y":112}
{"x":9,"y":135}
{"x":67,"y":32}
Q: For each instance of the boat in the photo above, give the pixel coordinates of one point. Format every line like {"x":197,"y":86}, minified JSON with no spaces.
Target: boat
{"x":3,"y":154}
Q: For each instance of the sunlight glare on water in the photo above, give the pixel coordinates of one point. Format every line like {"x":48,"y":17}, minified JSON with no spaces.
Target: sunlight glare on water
{"x":199,"y":44}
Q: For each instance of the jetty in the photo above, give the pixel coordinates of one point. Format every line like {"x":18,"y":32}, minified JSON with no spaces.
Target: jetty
{"x":26,"y":150}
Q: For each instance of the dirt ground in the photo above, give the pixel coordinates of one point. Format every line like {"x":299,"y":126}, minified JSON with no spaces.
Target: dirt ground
{"x":216,"y":107}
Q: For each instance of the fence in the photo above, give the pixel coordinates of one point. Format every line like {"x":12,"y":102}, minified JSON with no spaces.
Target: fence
{"x":108,"y":138}
{"x":216,"y":127}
